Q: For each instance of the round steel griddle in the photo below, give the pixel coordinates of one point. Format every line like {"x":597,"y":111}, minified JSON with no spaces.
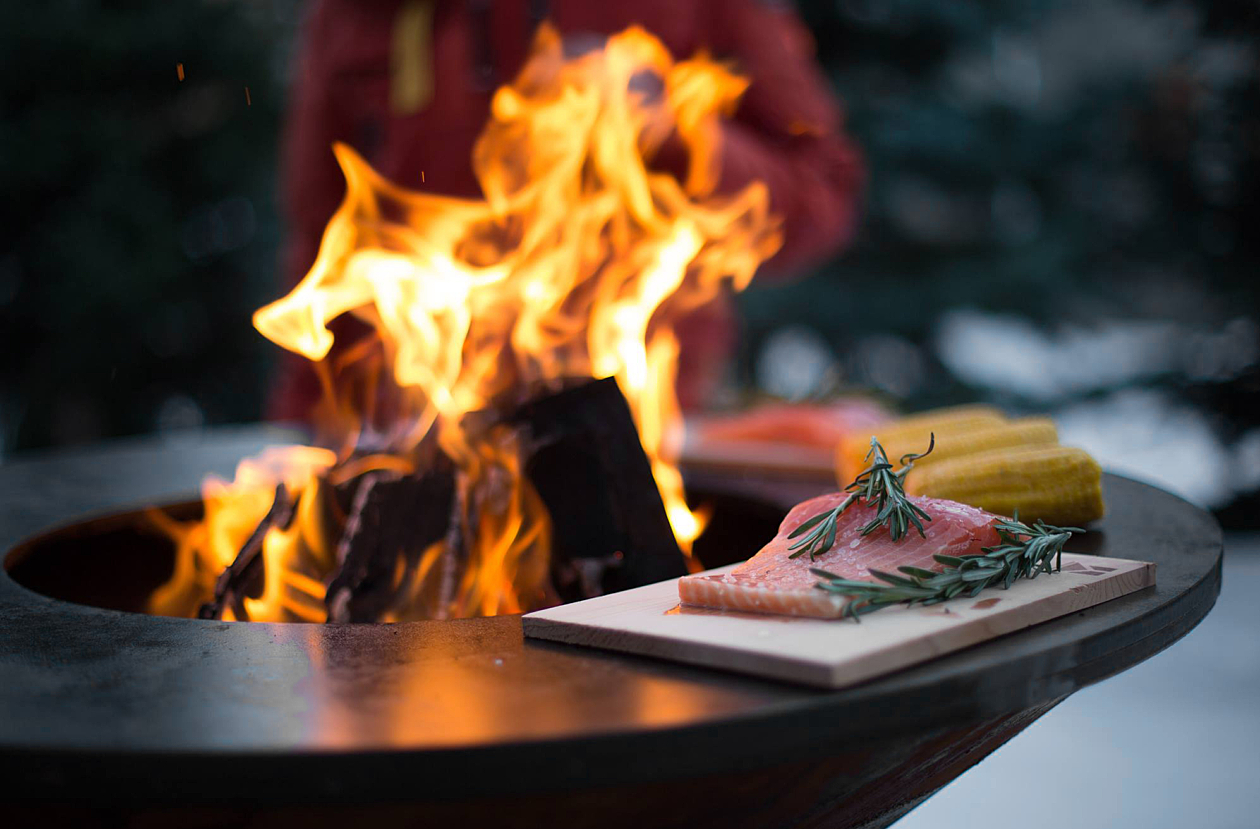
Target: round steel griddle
{"x":116,"y":714}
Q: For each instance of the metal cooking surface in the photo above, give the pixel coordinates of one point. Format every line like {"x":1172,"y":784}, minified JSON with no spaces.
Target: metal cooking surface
{"x":438,"y":706}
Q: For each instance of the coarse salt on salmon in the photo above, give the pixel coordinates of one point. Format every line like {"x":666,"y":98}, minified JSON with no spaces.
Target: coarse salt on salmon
{"x":771,"y":582}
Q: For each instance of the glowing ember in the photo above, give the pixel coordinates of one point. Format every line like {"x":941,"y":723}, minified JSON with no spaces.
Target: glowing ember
{"x":577,"y":263}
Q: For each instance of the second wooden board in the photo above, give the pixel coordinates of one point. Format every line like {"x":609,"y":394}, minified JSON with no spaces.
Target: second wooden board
{"x":830,"y":653}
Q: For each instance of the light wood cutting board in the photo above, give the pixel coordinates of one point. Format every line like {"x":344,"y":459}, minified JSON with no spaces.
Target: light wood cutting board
{"x":830,"y":653}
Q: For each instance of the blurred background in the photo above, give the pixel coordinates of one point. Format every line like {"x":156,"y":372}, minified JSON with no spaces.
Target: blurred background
{"x":1057,"y":220}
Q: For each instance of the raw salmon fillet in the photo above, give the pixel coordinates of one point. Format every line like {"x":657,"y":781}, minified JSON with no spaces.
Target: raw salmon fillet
{"x":770,"y":582}
{"x":819,"y":426}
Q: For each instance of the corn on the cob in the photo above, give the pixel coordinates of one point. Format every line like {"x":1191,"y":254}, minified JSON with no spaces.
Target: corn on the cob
{"x":972,"y":412}
{"x":911,"y":434}
{"x":1026,"y":431}
{"x":1056,"y":484}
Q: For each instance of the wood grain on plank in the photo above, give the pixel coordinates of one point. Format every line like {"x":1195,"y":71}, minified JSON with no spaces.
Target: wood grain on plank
{"x":830,"y":653}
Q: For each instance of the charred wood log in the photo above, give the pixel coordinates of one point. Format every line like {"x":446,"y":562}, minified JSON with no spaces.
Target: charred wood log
{"x":610,"y":529}
{"x":455,"y":552}
{"x":583,"y":456}
{"x":244,"y":576}
{"x":392,"y":517}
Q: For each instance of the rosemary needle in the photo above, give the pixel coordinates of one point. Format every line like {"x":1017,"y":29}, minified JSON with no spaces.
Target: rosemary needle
{"x":877,"y":485}
{"x":1024,"y":551}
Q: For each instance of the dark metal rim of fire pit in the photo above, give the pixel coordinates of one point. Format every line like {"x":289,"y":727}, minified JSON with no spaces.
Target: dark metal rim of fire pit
{"x":118,"y":707}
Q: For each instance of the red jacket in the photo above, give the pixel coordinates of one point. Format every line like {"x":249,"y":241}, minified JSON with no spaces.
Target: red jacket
{"x":786,"y":131}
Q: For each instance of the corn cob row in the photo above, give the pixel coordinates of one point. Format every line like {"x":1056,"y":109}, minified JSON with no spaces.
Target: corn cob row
{"x":985,"y":460}
{"x":1056,"y":484}
{"x":1028,"y":431}
{"x":953,"y":443}
{"x":941,"y":418}
{"x":911,"y":434}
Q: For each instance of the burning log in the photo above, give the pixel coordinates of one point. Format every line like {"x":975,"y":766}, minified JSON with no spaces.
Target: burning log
{"x":582,"y":453}
{"x":392,"y":517}
{"x":588,"y":465}
{"x":245,"y":575}
{"x":584,"y":458}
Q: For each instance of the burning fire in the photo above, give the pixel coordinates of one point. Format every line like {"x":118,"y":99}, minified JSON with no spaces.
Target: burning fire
{"x":576,"y":263}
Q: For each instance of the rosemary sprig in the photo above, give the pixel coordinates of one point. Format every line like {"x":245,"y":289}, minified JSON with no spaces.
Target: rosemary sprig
{"x":876,"y":484}
{"x":1024,"y":552}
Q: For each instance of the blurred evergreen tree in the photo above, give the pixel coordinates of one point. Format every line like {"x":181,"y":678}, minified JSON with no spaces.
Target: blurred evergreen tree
{"x":140,"y":231}
{"x":1059,"y":160}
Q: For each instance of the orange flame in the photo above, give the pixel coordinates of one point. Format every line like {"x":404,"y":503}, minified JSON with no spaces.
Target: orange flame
{"x":576,"y":263}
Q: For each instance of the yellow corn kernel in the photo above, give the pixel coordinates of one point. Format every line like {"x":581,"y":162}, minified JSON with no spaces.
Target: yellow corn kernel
{"x":1056,"y":484}
{"x":911,"y":434}
{"x":970,"y":413}
{"x":1026,"y":431}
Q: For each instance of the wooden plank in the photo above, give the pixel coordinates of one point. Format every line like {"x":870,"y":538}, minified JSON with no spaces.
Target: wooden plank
{"x":830,"y":653}
{"x":762,"y":457}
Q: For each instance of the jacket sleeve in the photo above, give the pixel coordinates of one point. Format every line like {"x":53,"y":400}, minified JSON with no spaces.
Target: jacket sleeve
{"x":787,"y":132}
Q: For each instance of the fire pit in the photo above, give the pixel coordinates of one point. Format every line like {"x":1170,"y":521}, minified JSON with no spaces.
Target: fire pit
{"x":117,"y":561}
{"x":114,"y":717}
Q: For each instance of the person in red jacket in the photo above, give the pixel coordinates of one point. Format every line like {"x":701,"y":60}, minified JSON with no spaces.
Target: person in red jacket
{"x":408,"y":84}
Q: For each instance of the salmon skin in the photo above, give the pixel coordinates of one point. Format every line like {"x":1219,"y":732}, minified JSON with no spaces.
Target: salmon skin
{"x":771,"y":582}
